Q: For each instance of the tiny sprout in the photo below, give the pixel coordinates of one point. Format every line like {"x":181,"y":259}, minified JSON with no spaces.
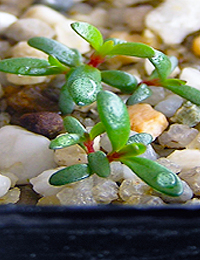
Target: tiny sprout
{"x":114,"y":121}
{"x":84,"y":81}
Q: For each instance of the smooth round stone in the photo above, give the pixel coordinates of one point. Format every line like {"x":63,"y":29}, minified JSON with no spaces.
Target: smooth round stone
{"x":24,"y":29}
{"x":60,"y":5}
{"x":5,"y":184}
{"x":6,"y":20}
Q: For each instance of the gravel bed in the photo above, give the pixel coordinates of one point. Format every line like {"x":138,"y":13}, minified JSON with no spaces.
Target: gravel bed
{"x":30,"y":115}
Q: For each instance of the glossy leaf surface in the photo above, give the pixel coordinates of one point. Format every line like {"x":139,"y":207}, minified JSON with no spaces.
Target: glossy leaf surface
{"x":119,"y":79}
{"x":97,"y":130}
{"x":185,"y":91}
{"x":140,"y":93}
{"x":90,"y":33}
{"x":155,"y":175}
{"x":66,"y":102}
{"x":84,"y":91}
{"x":70,"y":174}
{"x":29,"y":67}
{"x":114,"y":116}
{"x":143,"y":138}
{"x":65,"y":55}
{"x":65,"y":140}
{"x":99,"y":164}
{"x":133,"y":149}
{"x":72,"y":125}
{"x":133,"y":49}
{"x":162,"y":64}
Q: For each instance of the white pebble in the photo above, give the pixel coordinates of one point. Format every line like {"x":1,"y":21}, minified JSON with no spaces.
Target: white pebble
{"x":174,"y":20}
{"x":191,"y":76}
{"x":24,"y":153}
{"x":25,"y":80}
{"x":41,"y":183}
{"x":186,"y":158}
{"x":6,"y":20}
{"x":5,"y":184}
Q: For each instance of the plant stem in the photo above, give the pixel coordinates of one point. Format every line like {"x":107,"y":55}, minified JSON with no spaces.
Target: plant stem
{"x":96,"y":60}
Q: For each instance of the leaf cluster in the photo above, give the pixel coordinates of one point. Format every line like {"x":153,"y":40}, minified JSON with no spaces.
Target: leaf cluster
{"x":115,"y":122}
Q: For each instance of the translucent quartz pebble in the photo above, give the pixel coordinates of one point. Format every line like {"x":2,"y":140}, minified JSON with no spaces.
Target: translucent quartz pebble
{"x":24,"y":153}
{"x":131,"y":187}
{"x":5,"y":184}
{"x":174,"y":20}
{"x":41,"y":183}
{"x":186,"y":158}
{"x":105,"y":191}
{"x":192,"y":177}
{"x":70,"y":155}
{"x":129,"y":174}
{"x":194,"y":201}
{"x":187,"y":114}
{"x":169,"y":105}
{"x":158,"y":94}
{"x":149,"y":153}
{"x":178,"y":136}
{"x":48,"y":201}
{"x":145,"y":200}
{"x":79,"y":193}
{"x":116,"y":171}
{"x":12,"y":196}
{"x":185,"y":196}
{"x":175,"y":168}
{"x":195,"y":143}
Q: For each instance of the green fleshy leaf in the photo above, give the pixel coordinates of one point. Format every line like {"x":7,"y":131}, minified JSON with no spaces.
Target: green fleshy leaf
{"x":70,"y":174}
{"x":136,"y":49}
{"x":174,"y":63}
{"x":162,"y":64}
{"x":84,"y":91}
{"x":99,"y":164}
{"x":66,"y":102}
{"x":29,"y":67}
{"x":143,"y":138}
{"x":115,"y":40}
{"x":185,"y":91}
{"x":140,"y":93}
{"x":106,"y":48}
{"x":72,"y":125}
{"x":88,"y":32}
{"x":97,"y":130}
{"x":119,"y":79}
{"x":65,"y":140}
{"x":132,"y":149}
{"x":83,"y":71}
{"x":65,"y":55}
{"x":115,"y":118}
{"x":155,"y":175}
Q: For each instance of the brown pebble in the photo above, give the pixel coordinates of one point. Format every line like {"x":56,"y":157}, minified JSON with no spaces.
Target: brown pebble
{"x":46,"y":123}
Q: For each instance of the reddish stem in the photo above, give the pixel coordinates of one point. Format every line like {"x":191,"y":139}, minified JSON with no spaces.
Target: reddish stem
{"x":96,"y":60}
{"x":113,"y":156}
{"x":152,"y":82}
{"x":89,"y":145}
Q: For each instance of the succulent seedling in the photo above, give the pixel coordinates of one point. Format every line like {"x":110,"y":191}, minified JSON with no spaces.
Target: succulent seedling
{"x":114,"y":120}
{"x":83,"y":80}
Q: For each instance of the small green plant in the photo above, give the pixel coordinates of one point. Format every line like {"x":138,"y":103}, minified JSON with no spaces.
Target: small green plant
{"x":84,"y":86}
{"x":83,"y":80}
{"x":114,"y":120}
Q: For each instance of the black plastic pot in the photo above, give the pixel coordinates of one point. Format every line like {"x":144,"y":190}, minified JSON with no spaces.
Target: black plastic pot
{"x":101,"y":232}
